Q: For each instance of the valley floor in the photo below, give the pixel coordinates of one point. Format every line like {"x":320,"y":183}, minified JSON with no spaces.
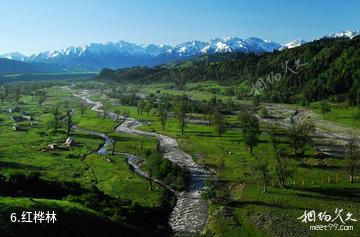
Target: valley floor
{"x":236,"y":207}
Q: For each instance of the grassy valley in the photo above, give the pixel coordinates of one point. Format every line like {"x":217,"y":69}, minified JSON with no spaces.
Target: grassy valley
{"x":197,"y":144}
{"x":77,"y":174}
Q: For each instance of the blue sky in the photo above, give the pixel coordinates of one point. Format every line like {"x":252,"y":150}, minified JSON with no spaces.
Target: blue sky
{"x":38,"y":25}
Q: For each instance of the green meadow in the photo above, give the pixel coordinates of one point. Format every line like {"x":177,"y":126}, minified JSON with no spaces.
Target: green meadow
{"x":27,"y":152}
{"x":241,"y":208}
{"x":238,"y":206}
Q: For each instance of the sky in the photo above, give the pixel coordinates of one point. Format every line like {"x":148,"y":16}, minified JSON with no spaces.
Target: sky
{"x":40,"y":25}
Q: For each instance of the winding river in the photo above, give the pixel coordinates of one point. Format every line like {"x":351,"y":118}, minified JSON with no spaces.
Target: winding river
{"x":190,"y":214}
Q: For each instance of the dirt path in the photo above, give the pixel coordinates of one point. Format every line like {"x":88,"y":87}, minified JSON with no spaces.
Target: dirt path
{"x":329,"y":137}
{"x":190,"y":214}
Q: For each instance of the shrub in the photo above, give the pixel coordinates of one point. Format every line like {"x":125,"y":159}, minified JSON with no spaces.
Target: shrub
{"x":264,"y":113}
{"x":170,"y":173}
{"x":324,"y":107}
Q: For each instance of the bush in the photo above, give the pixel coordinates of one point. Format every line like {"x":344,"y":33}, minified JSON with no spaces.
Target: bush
{"x":357,"y":114}
{"x":229,"y":91}
{"x":32,"y":185}
{"x":170,"y":173}
{"x":264,"y":113}
{"x":324,"y":107}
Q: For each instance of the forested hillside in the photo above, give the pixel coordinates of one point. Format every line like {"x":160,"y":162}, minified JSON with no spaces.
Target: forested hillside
{"x":8,"y":67}
{"x":314,"y":71}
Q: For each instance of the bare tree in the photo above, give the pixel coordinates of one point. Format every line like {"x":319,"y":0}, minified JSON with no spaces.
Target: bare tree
{"x":148,"y":108}
{"x":126,"y":114}
{"x":69,"y":121}
{"x":150,"y":180}
{"x":299,"y":136}
{"x":158,"y":146}
{"x":56,"y":112}
{"x":163,"y":113}
{"x":17,"y":93}
{"x":218,"y":121}
{"x":83,"y":107}
{"x":104,"y":113}
{"x":141,"y":143}
{"x":117,"y":112}
{"x":181,"y":115}
{"x":250,"y":128}
{"x":282,"y":167}
{"x":261,"y":169}
{"x":41,"y":96}
{"x":206,"y":110}
{"x":353,"y":156}
{"x":113,"y":147}
{"x":325,"y":107}
{"x":3,"y":94}
{"x":140,"y":106}
{"x":271,"y":131}
{"x":67,"y":104}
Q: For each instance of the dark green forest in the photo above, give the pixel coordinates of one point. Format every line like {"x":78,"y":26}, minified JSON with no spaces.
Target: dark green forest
{"x":322,"y":69}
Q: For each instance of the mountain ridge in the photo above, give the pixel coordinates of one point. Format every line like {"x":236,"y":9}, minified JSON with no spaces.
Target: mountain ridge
{"x":321,"y":69}
{"x":123,"y":54}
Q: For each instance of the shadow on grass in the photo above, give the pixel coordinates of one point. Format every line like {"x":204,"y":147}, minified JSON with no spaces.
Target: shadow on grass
{"x":14,"y":165}
{"x":201,"y":133}
{"x":239,"y":204}
{"x":96,"y":137}
{"x":331,"y":193}
{"x":324,"y":167}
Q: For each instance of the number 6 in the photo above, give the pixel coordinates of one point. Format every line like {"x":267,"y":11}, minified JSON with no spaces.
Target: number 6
{"x":13,"y":217}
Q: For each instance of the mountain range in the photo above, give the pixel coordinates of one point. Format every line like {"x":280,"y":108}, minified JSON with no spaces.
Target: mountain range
{"x":327,"y":68}
{"x":123,"y":54}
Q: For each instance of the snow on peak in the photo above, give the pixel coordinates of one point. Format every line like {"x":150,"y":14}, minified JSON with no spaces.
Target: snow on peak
{"x":14,"y":56}
{"x":222,"y":48}
{"x":122,"y":48}
{"x":345,"y":33}
{"x":109,"y":49}
{"x":189,"y":48}
{"x":293,"y":44}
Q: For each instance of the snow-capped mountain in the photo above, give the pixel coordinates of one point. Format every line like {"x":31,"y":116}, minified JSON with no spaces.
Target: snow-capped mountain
{"x":14,"y":56}
{"x":125,"y":54}
{"x":155,"y":50}
{"x":99,"y":50}
{"x":229,"y":44}
{"x":234,"y":44}
{"x":345,"y":33}
{"x":293,"y":44}
{"x":259,"y":45}
{"x":187,"y":48}
{"x":217,"y":45}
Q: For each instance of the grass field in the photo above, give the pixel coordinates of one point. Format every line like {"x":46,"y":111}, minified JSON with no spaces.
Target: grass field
{"x":248,"y":211}
{"x":239,"y":208}
{"x":199,"y":91}
{"x":340,"y":114}
{"x":27,"y":152}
